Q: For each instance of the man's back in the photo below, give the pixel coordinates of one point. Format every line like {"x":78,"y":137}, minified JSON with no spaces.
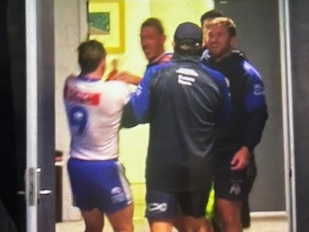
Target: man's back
{"x":94,"y":110}
{"x":185,"y":104}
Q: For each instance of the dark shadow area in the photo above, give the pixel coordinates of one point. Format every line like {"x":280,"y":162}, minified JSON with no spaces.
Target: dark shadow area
{"x":12,"y":130}
{"x":6,"y":222}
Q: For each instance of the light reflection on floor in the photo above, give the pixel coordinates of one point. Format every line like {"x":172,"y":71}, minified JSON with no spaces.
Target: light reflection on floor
{"x":259,"y":224}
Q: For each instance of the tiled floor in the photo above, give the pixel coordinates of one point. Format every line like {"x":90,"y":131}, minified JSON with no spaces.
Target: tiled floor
{"x":259,"y":224}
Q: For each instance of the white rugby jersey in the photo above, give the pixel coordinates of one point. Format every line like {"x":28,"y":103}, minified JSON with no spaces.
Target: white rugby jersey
{"x":94,"y":110}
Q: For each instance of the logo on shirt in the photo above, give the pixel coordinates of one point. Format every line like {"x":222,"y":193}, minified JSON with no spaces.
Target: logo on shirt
{"x":186,"y":76}
{"x":258,"y":89}
{"x":82,"y":97}
{"x":78,"y":119}
{"x":187,"y":71}
{"x":227,"y":81}
{"x":139,"y":90}
{"x":185,"y":80}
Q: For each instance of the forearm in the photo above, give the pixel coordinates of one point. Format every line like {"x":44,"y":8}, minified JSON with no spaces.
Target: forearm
{"x":129,"y":118}
{"x":255,"y":126}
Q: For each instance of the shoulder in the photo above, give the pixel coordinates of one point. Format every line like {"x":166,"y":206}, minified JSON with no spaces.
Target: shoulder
{"x":70,"y":77}
{"x":167,"y":56}
{"x":243,"y":63}
{"x":164,"y":58}
{"x":117,"y":90}
{"x":115,"y":85}
{"x":251,"y":71}
{"x":154,"y":70}
{"x":217,"y":77}
{"x":212,"y":72}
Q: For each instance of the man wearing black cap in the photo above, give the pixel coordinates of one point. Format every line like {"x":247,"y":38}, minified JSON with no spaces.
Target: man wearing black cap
{"x":184,"y":102}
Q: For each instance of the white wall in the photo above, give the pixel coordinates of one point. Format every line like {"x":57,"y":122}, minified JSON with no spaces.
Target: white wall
{"x":67,"y":38}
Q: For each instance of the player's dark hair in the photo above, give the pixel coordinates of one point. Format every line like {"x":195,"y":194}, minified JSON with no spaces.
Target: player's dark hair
{"x":90,"y":54}
{"x":155,"y":23}
{"x":211,"y":15}
{"x":226,"y":22}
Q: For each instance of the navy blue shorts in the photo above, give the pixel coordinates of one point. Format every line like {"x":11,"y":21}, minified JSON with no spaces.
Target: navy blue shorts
{"x":164,"y":205}
{"x":233,"y":185}
{"x":99,"y":184}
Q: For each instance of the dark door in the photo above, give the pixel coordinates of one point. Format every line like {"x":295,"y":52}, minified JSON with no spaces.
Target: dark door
{"x":12,"y":117}
{"x":27,"y":114}
{"x":299,"y":21}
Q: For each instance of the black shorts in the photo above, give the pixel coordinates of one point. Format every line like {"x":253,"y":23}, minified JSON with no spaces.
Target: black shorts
{"x":230,"y":184}
{"x":166,"y":205}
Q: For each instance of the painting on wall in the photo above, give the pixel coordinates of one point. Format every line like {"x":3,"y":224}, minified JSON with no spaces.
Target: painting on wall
{"x":106,"y":23}
{"x":99,"y":23}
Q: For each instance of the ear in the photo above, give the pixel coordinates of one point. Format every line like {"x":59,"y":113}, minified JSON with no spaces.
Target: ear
{"x":163,"y":38}
{"x":204,"y":42}
{"x":173,"y":44}
{"x":234,"y":41}
{"x":102,"y":65}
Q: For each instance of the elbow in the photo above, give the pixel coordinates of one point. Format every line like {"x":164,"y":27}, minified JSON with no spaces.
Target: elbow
{"x":128,"y":119}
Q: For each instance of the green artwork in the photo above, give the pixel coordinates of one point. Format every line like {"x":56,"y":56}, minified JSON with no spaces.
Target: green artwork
{"x":99,"y":23}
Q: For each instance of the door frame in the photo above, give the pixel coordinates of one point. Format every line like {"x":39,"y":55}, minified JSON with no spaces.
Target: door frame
{"x":40,"y":116}
{"x":287,"y":114}
{"x":31,"y":187}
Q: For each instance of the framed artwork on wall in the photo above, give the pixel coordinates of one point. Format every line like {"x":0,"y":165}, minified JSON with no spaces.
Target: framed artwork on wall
{"x":106,"y":23}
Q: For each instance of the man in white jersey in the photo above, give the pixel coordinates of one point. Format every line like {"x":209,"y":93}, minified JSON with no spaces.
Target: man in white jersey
{"x":94,"y":109}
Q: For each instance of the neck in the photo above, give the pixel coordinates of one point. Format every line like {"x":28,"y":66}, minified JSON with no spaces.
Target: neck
{"x":96,"y":75}
{"x":218,"y":59}
{"x":158,"y":57}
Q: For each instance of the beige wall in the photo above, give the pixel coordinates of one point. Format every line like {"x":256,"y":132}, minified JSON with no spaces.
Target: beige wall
{"x":71,"y":28}
{"x":178,"y":11}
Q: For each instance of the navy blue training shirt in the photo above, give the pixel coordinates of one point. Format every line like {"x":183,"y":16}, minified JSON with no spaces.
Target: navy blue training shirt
{"x":184,"y":102}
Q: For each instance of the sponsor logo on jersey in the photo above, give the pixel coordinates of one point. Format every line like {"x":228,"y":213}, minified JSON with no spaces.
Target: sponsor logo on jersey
{"x":82,"y":97}
{"x":158,"y":207}
{"x":186,"y":76}
{"x":258,"y":89}
{"x":185,"y":80}
{"x":187,"y":72}
{"x":78,"y":118}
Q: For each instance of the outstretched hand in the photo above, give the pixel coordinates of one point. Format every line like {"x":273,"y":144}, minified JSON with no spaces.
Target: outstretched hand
{"x":115,"y":74}
{"x":124,"y":76}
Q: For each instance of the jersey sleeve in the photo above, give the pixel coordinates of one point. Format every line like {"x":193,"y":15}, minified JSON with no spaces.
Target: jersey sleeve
{"x":124,"y":91}
{"x":256,"y":109}
{"x":137,"y":109}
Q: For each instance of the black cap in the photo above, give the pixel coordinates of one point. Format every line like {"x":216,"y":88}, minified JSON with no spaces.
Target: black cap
{"x":188,"y":30}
